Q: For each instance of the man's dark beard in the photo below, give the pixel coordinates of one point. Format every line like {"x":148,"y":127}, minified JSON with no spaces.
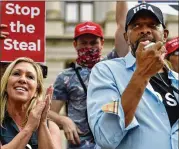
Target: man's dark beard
{"x":135,"y":46}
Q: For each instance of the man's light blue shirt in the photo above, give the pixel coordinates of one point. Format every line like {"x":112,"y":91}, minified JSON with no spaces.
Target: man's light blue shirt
{"x":149,"y":129}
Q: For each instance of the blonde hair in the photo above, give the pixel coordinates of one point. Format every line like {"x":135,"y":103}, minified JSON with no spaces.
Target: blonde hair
{"x":4,"y":81}
{"x":168,"y":64}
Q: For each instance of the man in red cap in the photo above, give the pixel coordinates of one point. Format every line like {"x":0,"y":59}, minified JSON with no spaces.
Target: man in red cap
{"x":172,"y":48}
{"x":70,"y":87}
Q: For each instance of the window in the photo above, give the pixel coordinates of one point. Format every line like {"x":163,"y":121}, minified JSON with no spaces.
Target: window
{"x":77,"y":11}
{"x":72,"y":12}
{"x":86,"y":12}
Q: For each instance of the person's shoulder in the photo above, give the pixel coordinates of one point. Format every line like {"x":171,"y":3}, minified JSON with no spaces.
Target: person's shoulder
{"x":51,"y":123}
{"x":173,"y":73}
{"x":111,"y":55}
{"x":110,"y":65}
{"x":54,"y":129}
{"x":118,"y":61}
{"x":66,"y":72}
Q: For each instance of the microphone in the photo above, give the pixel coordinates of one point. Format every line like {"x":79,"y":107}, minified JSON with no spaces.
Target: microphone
{"x":149,"y":45}
{"x":167,"y":68}
{"x":165,"y":63}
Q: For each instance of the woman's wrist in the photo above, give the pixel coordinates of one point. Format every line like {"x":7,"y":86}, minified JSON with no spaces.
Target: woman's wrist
{"x":28,"y":130}
{"x":43,"y":123}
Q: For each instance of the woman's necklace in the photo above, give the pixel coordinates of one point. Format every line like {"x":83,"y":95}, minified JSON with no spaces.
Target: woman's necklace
{"x":20,"y":126}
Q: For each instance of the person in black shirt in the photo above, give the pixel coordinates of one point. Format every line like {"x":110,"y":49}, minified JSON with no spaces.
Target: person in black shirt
{"x":162,"y":85}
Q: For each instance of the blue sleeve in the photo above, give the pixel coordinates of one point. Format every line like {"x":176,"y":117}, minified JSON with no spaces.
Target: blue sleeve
{"x":60,"y":91}
{"x":108,"y":127}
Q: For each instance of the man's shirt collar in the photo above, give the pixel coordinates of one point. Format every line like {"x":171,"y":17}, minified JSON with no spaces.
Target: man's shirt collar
{"x":129,"y":60}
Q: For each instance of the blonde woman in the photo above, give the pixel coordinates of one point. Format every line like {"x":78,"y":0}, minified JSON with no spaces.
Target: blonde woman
{"x":23,"y":112}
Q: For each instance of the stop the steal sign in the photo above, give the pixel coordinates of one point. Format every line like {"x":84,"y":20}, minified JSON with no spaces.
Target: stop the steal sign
{"x":26,"y":26}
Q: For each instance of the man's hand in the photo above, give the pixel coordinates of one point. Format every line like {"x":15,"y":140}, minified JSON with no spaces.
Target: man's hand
{"x":3,"y":34}
{"x":150,"y":60}
{"x":71,"y":131}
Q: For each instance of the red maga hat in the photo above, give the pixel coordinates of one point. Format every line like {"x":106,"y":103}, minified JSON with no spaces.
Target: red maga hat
{"x":88,"y":28}
{"x":172,"y":45}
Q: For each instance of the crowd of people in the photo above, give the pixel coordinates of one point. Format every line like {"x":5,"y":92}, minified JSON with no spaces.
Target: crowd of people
{"x":127,"y":100}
